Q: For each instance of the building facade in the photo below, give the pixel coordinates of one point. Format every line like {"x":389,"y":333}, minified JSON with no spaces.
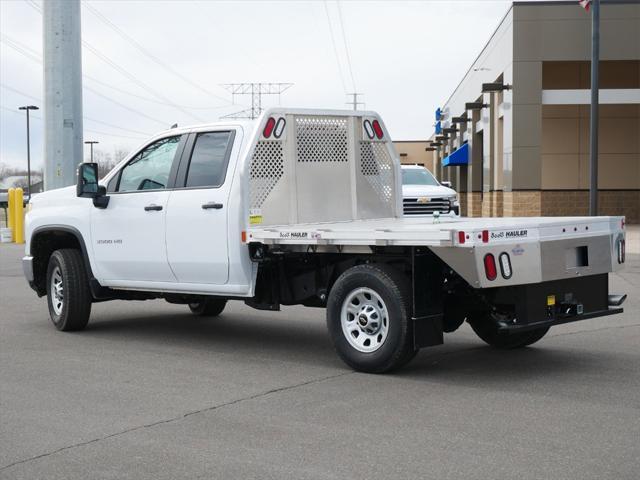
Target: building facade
{"x":513,"y":137}
{"x":414,"y":152}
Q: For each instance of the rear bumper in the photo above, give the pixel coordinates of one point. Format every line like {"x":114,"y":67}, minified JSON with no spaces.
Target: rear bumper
{"x":528,"y":307}
{"x":559,"y":321}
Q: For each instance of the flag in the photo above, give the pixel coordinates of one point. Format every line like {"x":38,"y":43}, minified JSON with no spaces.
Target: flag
{"x":585,"y":4}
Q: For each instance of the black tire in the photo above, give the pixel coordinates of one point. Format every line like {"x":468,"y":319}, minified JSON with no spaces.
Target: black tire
{"x":395,"y":291}
{"x":488,"y":331}
{"x":73,"y":311}
{"x":208,"y":307}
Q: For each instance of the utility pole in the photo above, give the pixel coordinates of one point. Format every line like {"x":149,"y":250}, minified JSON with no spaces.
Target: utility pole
{"x":354,"y":101}
{"x":62,"y":92}
{"x":91,"y":143}
{"x":256,"y":90}
{"x":27,"y":108}
{"x":595,"y":85}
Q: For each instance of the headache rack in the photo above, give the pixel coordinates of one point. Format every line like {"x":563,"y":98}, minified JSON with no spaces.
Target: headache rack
{"x":322,"y":166}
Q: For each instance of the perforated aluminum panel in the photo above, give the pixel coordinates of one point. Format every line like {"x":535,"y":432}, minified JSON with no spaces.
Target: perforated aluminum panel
{"x":267,"y":168}
{"x":376,"y":165}
{"x":321,"y":139}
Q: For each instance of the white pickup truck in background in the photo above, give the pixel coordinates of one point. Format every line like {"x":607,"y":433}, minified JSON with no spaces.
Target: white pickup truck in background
{"x":305,"y":207}
{"x":422,"y":194}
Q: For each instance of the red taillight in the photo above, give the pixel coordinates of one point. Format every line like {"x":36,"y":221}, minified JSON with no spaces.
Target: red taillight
{"x":461,"y":237}
{"x":268,"y":127}
{"x":485,"y":236}
{"x":490,"y":267}
{"x":377,"y":129}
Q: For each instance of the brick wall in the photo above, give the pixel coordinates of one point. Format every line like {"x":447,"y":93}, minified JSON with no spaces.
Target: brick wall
{"x":473,"y":204}
{"x":576,"y":202}
{"x":554,"y":203}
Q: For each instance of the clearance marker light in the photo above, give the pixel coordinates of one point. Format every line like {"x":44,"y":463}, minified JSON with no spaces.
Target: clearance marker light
{"x":490,"y":269}
{"x":377,"y":129}
{"x":279,"y":129}
{"x":461,"y":237}
{"x":268,"y":127}
{"x":485,"y":236}
{"x":505,"y":265}
{"x":368,"y":129}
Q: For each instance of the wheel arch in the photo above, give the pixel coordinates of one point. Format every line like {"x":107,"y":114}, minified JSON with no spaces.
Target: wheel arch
{"x":47,"y":239}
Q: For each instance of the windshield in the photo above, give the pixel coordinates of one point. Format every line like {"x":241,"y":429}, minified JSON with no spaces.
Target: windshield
{"x":418,"y":176}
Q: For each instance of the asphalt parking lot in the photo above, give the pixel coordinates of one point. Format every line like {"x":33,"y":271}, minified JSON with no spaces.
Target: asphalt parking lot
{"x":148,"y":391}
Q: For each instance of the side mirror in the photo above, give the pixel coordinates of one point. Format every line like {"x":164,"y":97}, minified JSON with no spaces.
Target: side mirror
{"x":87,"y":185}
{"x":446,"y":184}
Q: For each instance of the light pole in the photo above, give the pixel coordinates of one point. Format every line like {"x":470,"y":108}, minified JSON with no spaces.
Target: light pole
{"x":92,"y":143}
{"x":27,"y":108}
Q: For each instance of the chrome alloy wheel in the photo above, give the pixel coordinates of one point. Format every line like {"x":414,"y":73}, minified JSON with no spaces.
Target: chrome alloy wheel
{"x":365,"y":320}
{"x":57,"y":291}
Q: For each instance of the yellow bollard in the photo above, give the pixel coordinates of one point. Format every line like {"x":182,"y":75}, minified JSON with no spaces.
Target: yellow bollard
{"x":18,"y":216}
{"x":10,"y":212}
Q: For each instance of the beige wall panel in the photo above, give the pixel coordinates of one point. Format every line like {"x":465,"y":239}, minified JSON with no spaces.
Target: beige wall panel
{"x":560,"y":135}
{"x":617,"y":111}
{"x":584,"y":172}
{"x":620,"y":38}
{"x":619,"y":171}
{"x":616,"y":135}
{"x":527,"y":77}
{"x":560,"y":111}
{"x":527,"y":123}
{"x":526,"y":173}
{"x":615,"y":171}
{"x":567,"y":12}
{"x":560,"y":75}
{"x":415,"y":153}
{"x":560,"y":171}
{"x":542,"y":33}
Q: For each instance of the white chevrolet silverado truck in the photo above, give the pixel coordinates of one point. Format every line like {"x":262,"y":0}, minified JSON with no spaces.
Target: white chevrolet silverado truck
{"x":305,"y":207}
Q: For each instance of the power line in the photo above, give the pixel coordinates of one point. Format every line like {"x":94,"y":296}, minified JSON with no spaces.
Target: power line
{"x":86,"y":129}
{"x":148,"y":54}
{"x":335,"y":47}
{"x":147,"y":99}
{"x":131,"y":77}
{"x":26,"y":95}
{"x":95,"y":92}
{"x":346,"y":46}
{"x":128,"y":75}
{"x":37,"y":58}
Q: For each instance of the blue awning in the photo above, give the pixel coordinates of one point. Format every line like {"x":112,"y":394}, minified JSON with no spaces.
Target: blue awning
{"x":459,"y":157}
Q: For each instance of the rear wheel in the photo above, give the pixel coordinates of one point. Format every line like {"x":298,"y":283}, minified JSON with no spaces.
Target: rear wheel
{"x":368,"y":318}
{"x":208,"y":307}
{"x":68,"y":294}
{"x":486,"y":328}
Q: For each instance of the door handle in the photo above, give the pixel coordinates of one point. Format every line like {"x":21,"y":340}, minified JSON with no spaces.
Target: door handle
{"x":209,"y":205}
{"x":153,"y":207}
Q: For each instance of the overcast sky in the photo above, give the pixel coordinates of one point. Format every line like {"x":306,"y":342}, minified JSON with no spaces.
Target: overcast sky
{"x":406,"y":57}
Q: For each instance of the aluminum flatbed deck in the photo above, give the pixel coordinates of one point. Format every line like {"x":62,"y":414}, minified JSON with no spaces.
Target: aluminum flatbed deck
{"x":426,"y":231}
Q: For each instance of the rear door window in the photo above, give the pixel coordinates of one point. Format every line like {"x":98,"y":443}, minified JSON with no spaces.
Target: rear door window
{"x":209,"y":159}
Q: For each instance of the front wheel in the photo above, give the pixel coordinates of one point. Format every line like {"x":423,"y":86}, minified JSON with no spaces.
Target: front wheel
{"x":487,"y":329}
{"x":368,"y":318}
{"x":68,"y":294}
